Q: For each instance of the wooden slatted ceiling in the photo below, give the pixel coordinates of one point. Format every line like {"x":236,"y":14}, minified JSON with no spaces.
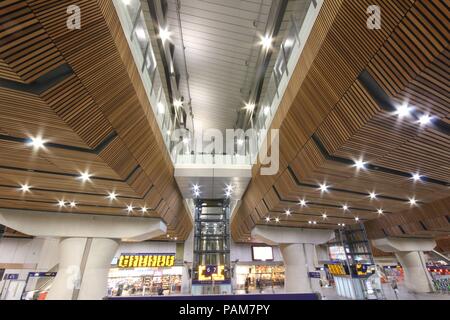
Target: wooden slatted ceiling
{"x":104,"y":96}
{"x":26,"y":52}
{"x":347,"y":120}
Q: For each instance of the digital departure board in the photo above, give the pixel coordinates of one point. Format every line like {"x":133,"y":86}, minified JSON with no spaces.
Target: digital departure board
{"x":145,"y":260}
{"x":337,"y":269}
{"x":207,"y":273}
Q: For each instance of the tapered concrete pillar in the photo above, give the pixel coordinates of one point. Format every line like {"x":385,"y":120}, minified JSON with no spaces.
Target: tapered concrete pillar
{"x":298,"y":248}
{"x":86,"y":248}
{"x":409,"y":253}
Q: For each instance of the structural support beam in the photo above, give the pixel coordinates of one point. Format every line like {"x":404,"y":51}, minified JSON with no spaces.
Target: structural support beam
{"x":298,"y":248}
{"x":86,"y":248}
{"x":409,"y":252}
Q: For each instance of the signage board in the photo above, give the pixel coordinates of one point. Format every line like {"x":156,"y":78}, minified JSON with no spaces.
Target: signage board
{"x":145,"y":260}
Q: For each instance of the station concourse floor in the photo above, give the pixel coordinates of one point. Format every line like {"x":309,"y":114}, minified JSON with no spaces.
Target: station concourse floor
{"x":331,"y":294}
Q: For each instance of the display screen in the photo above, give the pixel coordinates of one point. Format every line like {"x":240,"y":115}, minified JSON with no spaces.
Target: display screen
{"x":337,"y":253}
{"x":262,"y":253}
{"x":145,"y":260}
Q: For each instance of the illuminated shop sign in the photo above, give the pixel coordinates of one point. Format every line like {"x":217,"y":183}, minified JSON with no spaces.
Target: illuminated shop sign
{"x":145,"y":260}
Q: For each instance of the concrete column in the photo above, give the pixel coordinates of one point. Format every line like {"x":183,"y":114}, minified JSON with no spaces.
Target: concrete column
{"x":409,"y":252}
{"x":417,"y":277}
{"x":83,"y":269}
{"x":298,"y":248}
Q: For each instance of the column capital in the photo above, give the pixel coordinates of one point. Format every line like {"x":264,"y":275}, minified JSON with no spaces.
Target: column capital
{"x":286,"y":235}
{"x":404,"y":244}
{"x":71,"y":225}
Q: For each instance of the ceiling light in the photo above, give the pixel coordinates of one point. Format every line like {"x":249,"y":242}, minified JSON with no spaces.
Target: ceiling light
{"x":356,"y":219}
{"x":186,"y":140}
{"x":25,"y":187}
{"x":164,"y":34}
{"x":277,"y":220}
{"x":412,"y":201}
{"x":372,"y":195}
{"x":249,"y":107}
{"x":168,"y":236}
{"x":424,"y":120}
{"x":228,"y":194}
{"x":36,"y":142}
{"x":360,"y":164}
{"x":345,"y":207}
{"x":112,"y":195}
{"x":314,"y":222}
{"x":323,"y":187}
{"x":130,"y":208}
{"x":144,"y":209}
{"x":73,"y":204}
{"x":175,"y":238}
{"x":416,"y":177}
{"x":309,"y":222}
{"x":266,"y":42}
{"x":85,"y":176}
{"x":324,"y":216}
{"x":177,"y":103}
{"x":288,"y":212}
{"x":230,"y":187}
{"x":267,"y":219}
{"x":266,"y":111}
{"x":168,"y":132}
{"x":302,"y":203}
{"x":380,"y":211}
{"x":61,"y":203}
{"x":161,"y":108}
{"x":196,"y":194}
{"x":240,"y":142}
{"x":403,"y":111}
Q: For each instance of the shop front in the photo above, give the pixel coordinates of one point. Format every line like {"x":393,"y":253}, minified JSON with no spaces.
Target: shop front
{"x":259,"y":278}
{"x":145,"y":274}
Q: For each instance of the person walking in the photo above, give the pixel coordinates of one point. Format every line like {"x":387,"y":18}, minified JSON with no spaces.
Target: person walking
{"x":394,"y":286}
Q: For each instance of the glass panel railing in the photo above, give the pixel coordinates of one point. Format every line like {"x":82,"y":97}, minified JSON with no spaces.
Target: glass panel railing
{"x":135,"y":28}
{"x":298,"y":31}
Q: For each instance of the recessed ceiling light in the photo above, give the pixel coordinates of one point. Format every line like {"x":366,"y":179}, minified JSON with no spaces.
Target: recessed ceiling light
{"x":267,"y":219}
{"x":323,"y":187}
{"x":266,"y":42}
{"x":373,"y":195}
{"x":36,"y":142}
{"x":360,"y":164}
{"x":412,"y":201}
{"x":164,"y":34}
{"x":266,"y":111}
{"x":197,"y":194}
{"x":112,"y":195}
{"x":345,"y":207}
{"x":314,"y":222}
{"x":302,"y":203}
{"x":380,"y":211}
{"x":228,"y":194}
{"x":196,"y":187}
{"x":403,"y":111}
{"x":277,"y":220}
{"x":169,"y":132}
{"x":356,"y":219}
{"x":416,"y":177}
{"x":61,"y":203}
{"x":249,"y":107}
{"x":324,"y":216}
{"x":186,"y":140}
{"x":424,"y":120}
{"x":240,"y":142}
{"x":168,"y":236}
{"x":73,"y":204}
{"x":25,"y":187}
{"x":309,"y":222}
{"x":229,"y":187}
{"x":130,"y":208}
{"x":288,"y":212}
{"x":144,"y":209}
{"x":177,"y":103}
{"x":85,"y":176}
{"x":175,"y":238}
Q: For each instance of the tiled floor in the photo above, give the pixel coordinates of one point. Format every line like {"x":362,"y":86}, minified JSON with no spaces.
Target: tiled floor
{"x":331,"y":294}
